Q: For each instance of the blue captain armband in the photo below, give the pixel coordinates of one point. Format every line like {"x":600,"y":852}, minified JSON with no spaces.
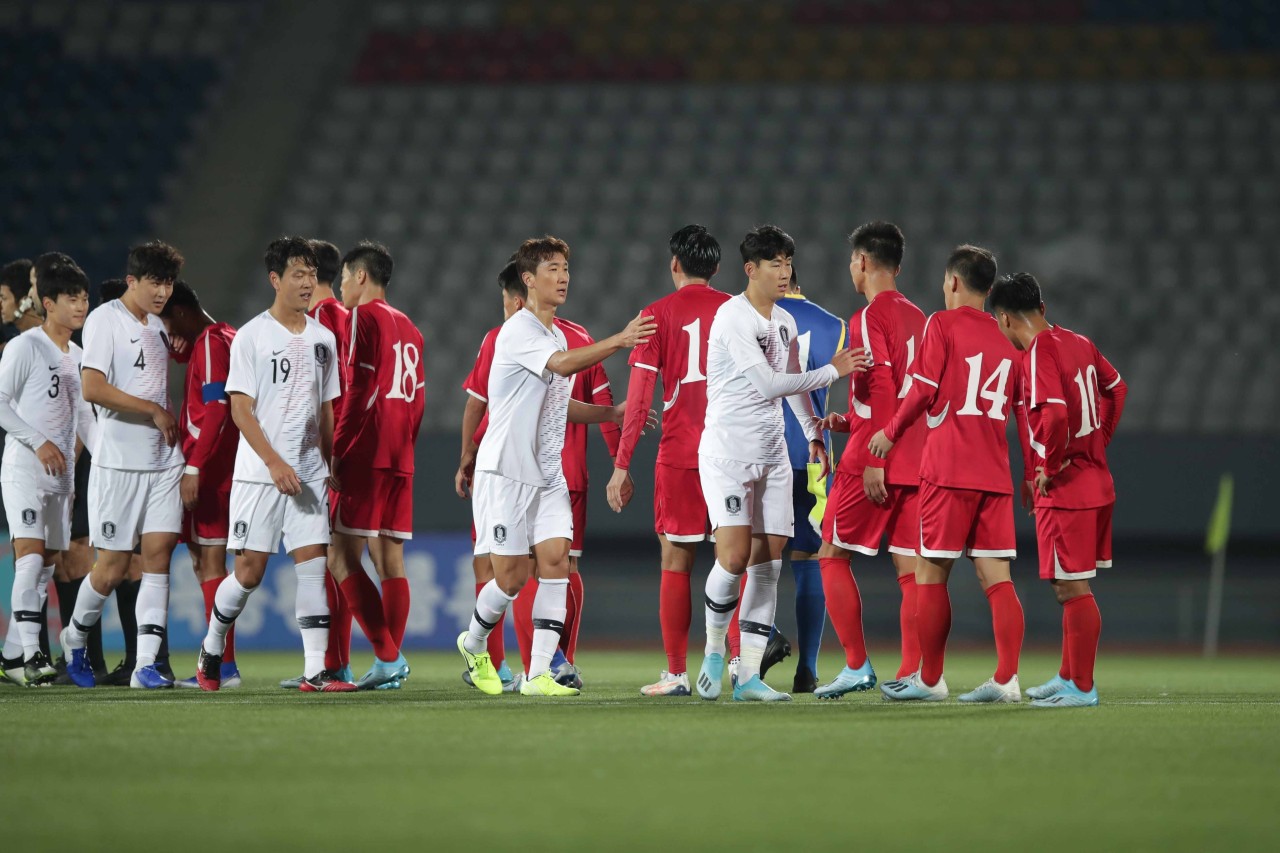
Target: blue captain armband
{"x":213,"y":392}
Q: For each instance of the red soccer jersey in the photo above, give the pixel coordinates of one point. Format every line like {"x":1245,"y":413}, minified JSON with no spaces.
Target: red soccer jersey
{"x":677,"y":352}
{"x":385,"y":382}
{"x":477,"y":382}
{"x":963,"y":378}
{"x":334,"y":316}
{"x":1065,"y":385}
{"x":204,"y":405}
{"x":891,"y":327}
{"x":589,"y":386}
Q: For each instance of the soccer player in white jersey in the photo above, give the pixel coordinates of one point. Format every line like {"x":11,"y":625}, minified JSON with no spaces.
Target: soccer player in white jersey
{"x":42,"y":412}
{"x":282,"y":383}
{"x":137,"y":463}
{"x":519,"y":494}
{"x":742,"y":457}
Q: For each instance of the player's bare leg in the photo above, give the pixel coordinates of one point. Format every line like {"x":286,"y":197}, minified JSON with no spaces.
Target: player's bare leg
{"x":1008,"y":625}
{"x":1081,"y":627}
{"x":366,"y":606}
{"x":675,"y":614}
{"x":510,"y":573}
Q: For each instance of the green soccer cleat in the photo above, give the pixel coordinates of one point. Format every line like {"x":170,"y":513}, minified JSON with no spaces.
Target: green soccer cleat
{"x":483,"y":676}
{"x":546,"y":685}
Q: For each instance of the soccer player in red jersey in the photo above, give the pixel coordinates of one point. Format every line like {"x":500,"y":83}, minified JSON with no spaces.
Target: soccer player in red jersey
{"x":209,"y":441}
{"x":962,"y":381}
{"x":1069,"y":403}
{"x":678,"y":354}
{"x":373,"y":457}
{"x":872,"y":498}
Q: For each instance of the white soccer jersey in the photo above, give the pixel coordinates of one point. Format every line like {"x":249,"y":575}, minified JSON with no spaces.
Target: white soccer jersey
{"x":288,"y":377}
{"x":40,"y":401}
{"x":134,"y":357}
{"x":522,"y":392}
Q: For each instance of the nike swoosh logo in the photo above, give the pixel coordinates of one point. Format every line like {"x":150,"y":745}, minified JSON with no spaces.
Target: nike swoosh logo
{"x":277,"y":351}
{"x":935,"y":422}
{"x":53,"y":367}
{"x":134,"y":340}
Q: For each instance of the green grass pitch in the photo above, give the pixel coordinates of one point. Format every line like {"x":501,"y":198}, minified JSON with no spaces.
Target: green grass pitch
{"x":1184,"y":754}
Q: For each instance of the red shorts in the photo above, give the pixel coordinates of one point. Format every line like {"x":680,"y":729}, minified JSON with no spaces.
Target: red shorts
{"x":1073,"y":543}
{"x":373,"y":503}
{"x":679,"y":510}
{"x":854,"y":523}
{"x":964,"y":522}
{"x":578,"y":502}
{"x":210,"y":522}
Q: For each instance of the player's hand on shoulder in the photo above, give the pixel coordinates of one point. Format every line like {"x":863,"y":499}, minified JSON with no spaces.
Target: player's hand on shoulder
{"x":51,"y":459}
{"x":880,"y":445}
{"x":166,"y":423}
{"x":189,"y":489}
{"x":620,"y":489}
{"x":851,"y":360}
{"x":873,"y":484}
{"x":284,"y":477}
{"x":639,"y":330}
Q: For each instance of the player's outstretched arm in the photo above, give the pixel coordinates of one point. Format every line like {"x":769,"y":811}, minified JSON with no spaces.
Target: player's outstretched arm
{"x":97,"y":390}
{"x":282,"y":474}
{"x":572,"y":361}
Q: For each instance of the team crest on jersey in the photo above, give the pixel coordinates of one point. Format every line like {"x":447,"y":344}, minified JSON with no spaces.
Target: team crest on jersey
{"x":785,"y":334}
{"x":322,"y":355}
{"x":733,"y":504}
{"x":500,"y":534}
{"x":28,"y":517}
{"x":108,"y":530}
{"x":241,"y":529}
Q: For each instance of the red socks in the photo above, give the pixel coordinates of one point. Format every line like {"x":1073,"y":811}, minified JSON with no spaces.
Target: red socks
{"x":675,"y":612}
{"x":844,"y":605}
{"x":1008,"y":624}
{"x":933,"y":623}
{"x":497,"y":645}
{"x":209,"y":589}
{"x":1082,"y":615}
{"x":734,"y":637}
{"x":573,"y":616}
{"x":366,"y":605}
{"x":338,"y":653}
{"x":907,"y":625}
{"x":395,"y":607}
{"x":1064,"y":671}
{"x":522,"y":613}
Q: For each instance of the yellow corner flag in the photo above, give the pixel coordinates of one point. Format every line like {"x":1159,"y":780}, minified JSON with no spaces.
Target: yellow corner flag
{"x":1220,"y":521}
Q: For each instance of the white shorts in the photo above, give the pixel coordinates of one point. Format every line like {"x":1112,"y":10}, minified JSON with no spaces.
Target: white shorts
{"x":511,"y":517}
{"x":261,"y":516}
{"x":123,"y":505}
{"x":38,"y":515}
{"x":740,"y":494}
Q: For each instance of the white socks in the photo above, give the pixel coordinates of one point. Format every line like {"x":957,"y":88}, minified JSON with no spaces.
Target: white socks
{"x":24,"y":628}
{"x":721,"y":599}
{"x":311,"y":607}
{"x":549,"y":608}
{"x":88,"y":611}
{"x":755,"y":619}
{"x":491,"y":603}
{"x":228,"y":601}
{"x":153,"y":616}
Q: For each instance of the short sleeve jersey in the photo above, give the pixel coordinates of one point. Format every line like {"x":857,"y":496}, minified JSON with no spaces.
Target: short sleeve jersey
{"x":206,"y":381}
{"x":741,"y":424}
{"x":1062,"y":368}
{"x":968,"y":364}
{"x":677,"y":352}
{"x":335,"y":317}
{"x":288,"y":377}
{"x":43,"y":383}
{"x":528,"y":404}
{"x":386,"y":384}
{"x":891,"y":328}
{"x":821,"y":335}
{"x":133,"y":354}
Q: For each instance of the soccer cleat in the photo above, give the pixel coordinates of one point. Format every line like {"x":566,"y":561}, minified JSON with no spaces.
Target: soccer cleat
{"x":805,"y":681}
{"x":383,"y":674}
{"x":292,"y":683}
{"x":778,"y":648}
{"x":1069,"y":696}
{"x":912,"y":688}
{"x":755,"y":690}
{"x":710,"y":676}
{"x":78,"y":664}
{"x":510,"y":683}
{"x":668,"y":685}
{"x":734,"y":663}
{"x":1049,"y":688}
{"x":514,"y":685}
{"x":14,"y":671}
{"x":118,"y":677}
{"x":483,"y":676}
{"x":39,"y":672}
{"x":545,"y":685}
{"x":208,"y":670}
{"x":149,"y":678}
{"x":994,"y":693}
{"x":326,"y":681}
{"x":568,"y":675}
{"x":230,"y":678}
{"x":849,"y":681}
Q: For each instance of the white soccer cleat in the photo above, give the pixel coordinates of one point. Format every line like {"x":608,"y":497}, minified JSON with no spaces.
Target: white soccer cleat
{"x":668,"y":685}
{"x":992,"y":692}
{"x":912,"y":688}
{"x":734,"y":663}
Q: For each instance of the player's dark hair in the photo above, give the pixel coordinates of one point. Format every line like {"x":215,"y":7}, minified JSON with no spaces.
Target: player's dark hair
{"x":16,"y":276}
{"x":284,"y":249}
{"x":328,"y":261}
{"x":62,"y":279}
{"x":510,"y":281}
{"x":535,"y":250}
{"x":46,"y":262}
{"x":795,"y":279}
{"x":881,"y":241}
{"x":154,"y":259}
{"x":766,"y":242}
{"x":696,"y":250}
{"x":374,"y":259}
{"x":975,"y":266}
{"x":112,"y":288}
{"x":183,"y":296}
{"x":1016,"y":293}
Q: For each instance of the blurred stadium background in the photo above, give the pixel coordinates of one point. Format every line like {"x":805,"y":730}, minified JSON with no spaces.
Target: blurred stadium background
{"x":1127,"y":153}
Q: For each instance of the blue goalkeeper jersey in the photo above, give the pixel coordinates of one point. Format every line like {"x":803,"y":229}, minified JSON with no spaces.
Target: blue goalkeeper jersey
{"x":822,"y":335}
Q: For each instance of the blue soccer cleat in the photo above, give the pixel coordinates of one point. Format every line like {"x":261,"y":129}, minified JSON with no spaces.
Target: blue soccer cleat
{"x":344,"y":673}
{"x":230,"y":678}
{"x":710,"y":676}
{"x":1050,"y":687}
{"x":1069,"y":696}
{"x":78,"y":668}
{"x":849,"y":681}
{"x":383,"y":674}
{"x":148,"y":678}
{"x":755,"y":690}
{"x":912,"y":688}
